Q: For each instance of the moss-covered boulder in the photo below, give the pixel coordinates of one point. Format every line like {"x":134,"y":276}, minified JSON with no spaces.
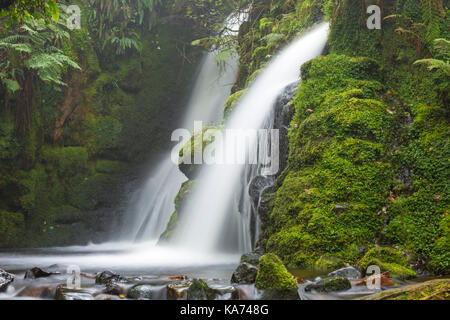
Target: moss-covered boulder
{"x":438,"y":289}
{"x":194,"y":149}
{"x":199,"y":290}
{"x":275,"y":280}
{"x":330,"y":284}
{"x":388,"y":259}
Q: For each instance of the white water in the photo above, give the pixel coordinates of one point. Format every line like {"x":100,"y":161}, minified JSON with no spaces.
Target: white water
{"x":152,"y":206}
{"x":212,"y":220}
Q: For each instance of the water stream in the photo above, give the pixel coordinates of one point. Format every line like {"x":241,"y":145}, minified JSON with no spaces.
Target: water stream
{"x":216,"y":227}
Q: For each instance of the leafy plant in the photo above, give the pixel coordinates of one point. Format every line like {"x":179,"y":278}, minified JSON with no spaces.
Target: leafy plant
{"x":20,"y":10}
{"x":443,"y":47}
{"x":30,"y":52}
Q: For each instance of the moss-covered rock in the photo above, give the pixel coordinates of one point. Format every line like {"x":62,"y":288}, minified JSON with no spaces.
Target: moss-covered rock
{"x":199,"y":290}
{"x":194,"y":149}
{"x":388,"y":259}
{"x":330,"y":284}
{"x":275,"y":280}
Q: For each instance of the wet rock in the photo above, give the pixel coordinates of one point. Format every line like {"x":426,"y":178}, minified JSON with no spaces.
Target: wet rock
{"x":258,"y":185}
{"x":64,"y":293}
{"x":224,"y":292}
{"x":108,"y":276}
{"x":199,"y":290}
{"x":178,"y":291}
{"x":246,"y":292}
{"x":331,"y":284}
{"x":252,"y":257}
{"x":244,"y":274}
{"x":36,"y":273}
{"x":349,"y":272}
{"x":38,"y":292}
{"x":5,"y":280}
{"x":113,"y":288}
{"x":147,"y":291}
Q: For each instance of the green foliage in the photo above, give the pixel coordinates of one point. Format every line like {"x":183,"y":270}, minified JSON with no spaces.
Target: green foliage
{"x":443,"y":47}
{"x":115,"y":20}
{"x":21,"y":10}
{"x":11,"y":228}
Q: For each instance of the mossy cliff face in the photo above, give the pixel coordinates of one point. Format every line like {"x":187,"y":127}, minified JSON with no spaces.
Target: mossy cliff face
{"x":337,"y":176}
{"x":61,"y":182}
{"x":369,"y":148}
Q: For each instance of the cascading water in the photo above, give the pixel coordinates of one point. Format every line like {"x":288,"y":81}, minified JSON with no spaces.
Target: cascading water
{"x":213,"y":218}
{"x":152,"y":206}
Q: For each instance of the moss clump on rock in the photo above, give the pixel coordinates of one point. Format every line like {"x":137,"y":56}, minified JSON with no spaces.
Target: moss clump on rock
{"x":199,"y":290}
{"x":388,"y":259}
{"x":330,"y":284}
{"x":274,"y":279}
{"x":195,"y":147}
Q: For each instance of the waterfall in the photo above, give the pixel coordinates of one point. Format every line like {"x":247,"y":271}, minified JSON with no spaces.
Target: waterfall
{"x":216,"y":217}
{"x":151,"y":206}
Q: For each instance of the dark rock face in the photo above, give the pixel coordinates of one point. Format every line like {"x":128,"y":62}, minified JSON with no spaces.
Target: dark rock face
{"x":244,"y":274}
{"x":108,"y":276}
{"x":199,"y":290}
{"x":284,"y":111}
{"x":5,"y":280}
{"x":36,"y":273}
{"x":331,"y":284}
{"x":252,"y":257}
{"x":349,"y":273}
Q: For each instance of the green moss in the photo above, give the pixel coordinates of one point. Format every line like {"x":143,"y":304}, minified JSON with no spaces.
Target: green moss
{"x":108,"y":166}
{"x":199,"y":290}
{"x":388,"y":259}
{"x":231,"y":103}
{"x":91,"y":193}
{"x":11,"y":228}
{"x":274,"y":279}
{"x":328,"y":262}
{"x":182,"y":195}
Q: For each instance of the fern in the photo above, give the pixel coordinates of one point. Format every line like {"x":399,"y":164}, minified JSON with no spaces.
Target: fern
{"x":443,"y":48}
